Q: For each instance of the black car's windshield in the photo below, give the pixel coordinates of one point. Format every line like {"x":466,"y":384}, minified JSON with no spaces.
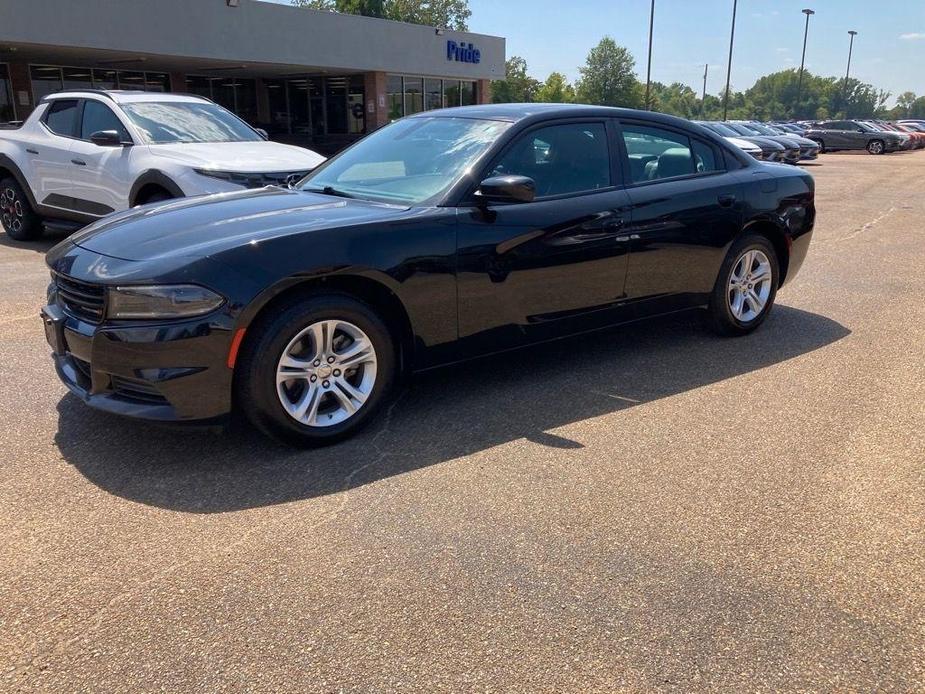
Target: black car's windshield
{"x":743,"y":129}
{"x":411,"y":161}
{"x":163,"y":122}
{"x":762,"y":129}
{"x":721,"y":129}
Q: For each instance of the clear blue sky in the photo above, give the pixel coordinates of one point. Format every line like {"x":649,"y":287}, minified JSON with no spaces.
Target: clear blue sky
{"x":556,"y":35}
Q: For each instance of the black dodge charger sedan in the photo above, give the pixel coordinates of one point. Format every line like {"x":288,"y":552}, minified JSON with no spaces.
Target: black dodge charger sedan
{"x":442,"y":236}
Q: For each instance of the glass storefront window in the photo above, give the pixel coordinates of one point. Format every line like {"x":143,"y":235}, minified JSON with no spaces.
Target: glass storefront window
{"x":279,"y":107}
{"x":394,"y":91}
{"x":223,"y":91}
{"x":200,"y":86}
{"x":433,"y":94}
{"x":467,"y":93}
{"x":245,"y":99}
{"x":336,"y":105}
{"x":414,"y":95}
{"x":356,"y":106}
{"x":157,"y":82}
{"x":7,"y":107}
{"x":132,"y":80}
{"x":451,"y":93}
{"x":105,"y":79}
{"x":77,"y":78}
{"x":45,"y":80}
{"x":298,"y":106}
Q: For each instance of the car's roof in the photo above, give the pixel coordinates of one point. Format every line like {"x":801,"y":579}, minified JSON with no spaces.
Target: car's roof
{"x":521,"y":112}
{"x":124,"y":96}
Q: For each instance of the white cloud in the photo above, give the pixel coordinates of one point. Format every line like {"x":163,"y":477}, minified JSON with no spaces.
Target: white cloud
{"x":914,"y":36}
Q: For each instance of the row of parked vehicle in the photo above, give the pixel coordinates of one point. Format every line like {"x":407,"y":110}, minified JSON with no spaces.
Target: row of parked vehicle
{"x":805,"y":140}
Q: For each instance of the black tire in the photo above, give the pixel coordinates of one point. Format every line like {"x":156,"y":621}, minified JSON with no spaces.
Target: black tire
{"x":19,"y":220}
{"x":156,"y":196}
{"x":721,"y":317}
{"x":821,"y":144}
{"x":255,"y":372}
{"x":876,"y":147}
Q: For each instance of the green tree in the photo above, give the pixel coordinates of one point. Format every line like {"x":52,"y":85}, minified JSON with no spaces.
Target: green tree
{"x":904,"y":103}
{"x":517,"y":86}
{"x":556,"y":90}
{"x":451,"y":14}
{"x":608,"y":77}
{"x":676,"y":98}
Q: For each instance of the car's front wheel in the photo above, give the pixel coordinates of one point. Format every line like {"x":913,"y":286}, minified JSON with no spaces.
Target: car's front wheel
{"x":317,"y":370}
{"x":19,"y":220}
{"x":746,"y":286}
{"x":876,"y":147}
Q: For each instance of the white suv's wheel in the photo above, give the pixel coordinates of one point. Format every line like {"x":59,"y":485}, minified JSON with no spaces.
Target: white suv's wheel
{"x":16,"y":214}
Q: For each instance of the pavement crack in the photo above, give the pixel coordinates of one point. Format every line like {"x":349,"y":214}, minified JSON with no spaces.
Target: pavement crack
{"x":866,"y":227}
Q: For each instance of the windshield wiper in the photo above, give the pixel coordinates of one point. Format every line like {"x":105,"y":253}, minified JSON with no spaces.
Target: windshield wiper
{"x":329,"y":190}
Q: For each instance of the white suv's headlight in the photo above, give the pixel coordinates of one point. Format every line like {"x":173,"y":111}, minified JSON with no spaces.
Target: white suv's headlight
{"x":164,"y":301}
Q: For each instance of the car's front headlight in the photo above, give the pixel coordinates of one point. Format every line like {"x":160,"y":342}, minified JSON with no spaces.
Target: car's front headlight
{"x":163,"y":301}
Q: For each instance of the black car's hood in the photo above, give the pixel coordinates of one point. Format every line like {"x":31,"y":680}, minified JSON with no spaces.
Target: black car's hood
{"x":201,"y":226}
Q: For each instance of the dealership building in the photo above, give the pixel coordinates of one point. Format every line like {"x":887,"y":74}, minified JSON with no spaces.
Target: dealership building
{"x":310,"y":77}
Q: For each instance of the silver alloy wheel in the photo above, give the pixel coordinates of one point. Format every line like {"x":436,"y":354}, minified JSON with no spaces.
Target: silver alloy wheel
{"x":11,"y":211}
{"x":326,"y":373}
{"x":749,"y":285}
{"x":875,"y":147}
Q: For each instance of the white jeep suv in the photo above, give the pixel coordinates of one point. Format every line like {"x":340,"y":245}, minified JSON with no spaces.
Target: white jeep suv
{"x":84,"y":154}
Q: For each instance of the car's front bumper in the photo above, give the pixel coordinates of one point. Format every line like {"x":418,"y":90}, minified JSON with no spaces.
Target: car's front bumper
{"x":174,"y":371}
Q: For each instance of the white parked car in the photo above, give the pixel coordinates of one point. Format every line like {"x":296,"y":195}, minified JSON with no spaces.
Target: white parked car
{"x":748,"y":147}
{"x":84,"y":154}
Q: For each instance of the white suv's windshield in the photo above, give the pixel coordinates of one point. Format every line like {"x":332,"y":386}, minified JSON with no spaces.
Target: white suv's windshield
{"x":163,"y":122}
{"x":411,"y":161}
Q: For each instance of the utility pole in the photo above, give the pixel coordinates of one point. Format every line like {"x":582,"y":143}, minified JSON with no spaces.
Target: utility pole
{"x":848,"y":70}
{"x":649,"y":67}
{"x":807,"y":12}
{"x":703,"y":99}
{"x":732,"y":36}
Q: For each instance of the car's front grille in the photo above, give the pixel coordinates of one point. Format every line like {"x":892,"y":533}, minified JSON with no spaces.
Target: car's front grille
{"x":136,"y":389}
{"x":259,"y":180}
{"x":81,"y":299}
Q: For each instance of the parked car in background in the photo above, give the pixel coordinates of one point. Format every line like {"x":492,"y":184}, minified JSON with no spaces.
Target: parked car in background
{"x":749,"y":148}
{"x":809,"y":150}
{"x":835,"y":135}
{"x":770,"y":150}
{"x":918,"y":137}
{"x":445,"y":235}
{"x":82,"y":155}
{"x":908,"y":142}
{"x":791,"y":147}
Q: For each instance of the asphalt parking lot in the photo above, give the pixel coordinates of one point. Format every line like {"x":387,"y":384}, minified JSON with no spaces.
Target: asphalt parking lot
{"x":649,"y":508}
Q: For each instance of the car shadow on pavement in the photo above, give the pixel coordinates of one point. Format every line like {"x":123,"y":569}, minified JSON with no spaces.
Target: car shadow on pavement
{"x":42,"y":245}
{"x":442,"y":415}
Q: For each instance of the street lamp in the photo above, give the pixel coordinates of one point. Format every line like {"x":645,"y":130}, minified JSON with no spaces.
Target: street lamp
{"x":808,"y":13}
{"x":848,"y":69}
{"x":649,"y":67}
{"x":732,"y":35}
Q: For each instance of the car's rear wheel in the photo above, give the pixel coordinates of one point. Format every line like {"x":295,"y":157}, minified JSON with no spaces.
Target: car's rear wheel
{"x":746,"y":286}
{"x":876,"y":147}
{"x":316,"y":371}
{"x":821,"y":144}
{"x":19,"y":220}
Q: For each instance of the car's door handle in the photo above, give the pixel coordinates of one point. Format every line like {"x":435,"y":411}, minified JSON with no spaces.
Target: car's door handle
{"x":726,"y":200}
{"x":32,"y":151}
{"x":614,"y":223}
{"x":79,"y":162}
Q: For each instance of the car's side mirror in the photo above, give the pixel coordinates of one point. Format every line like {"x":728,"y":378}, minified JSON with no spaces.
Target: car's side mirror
{"x":506,"y":189}
{"x":263,"y":133}
{"x":107,"y":138}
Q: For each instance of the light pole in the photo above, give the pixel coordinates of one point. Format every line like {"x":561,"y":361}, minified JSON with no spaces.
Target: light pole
{"x":703,"y":98}
{"x":649,"y":67}
{"x":732,"y":36}
{"x":808,"y":13}
{"x":848,"y":70}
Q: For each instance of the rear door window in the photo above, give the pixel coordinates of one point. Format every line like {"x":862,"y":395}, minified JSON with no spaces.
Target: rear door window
{"x":61,"y":118}
{"x":655,"y":153}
